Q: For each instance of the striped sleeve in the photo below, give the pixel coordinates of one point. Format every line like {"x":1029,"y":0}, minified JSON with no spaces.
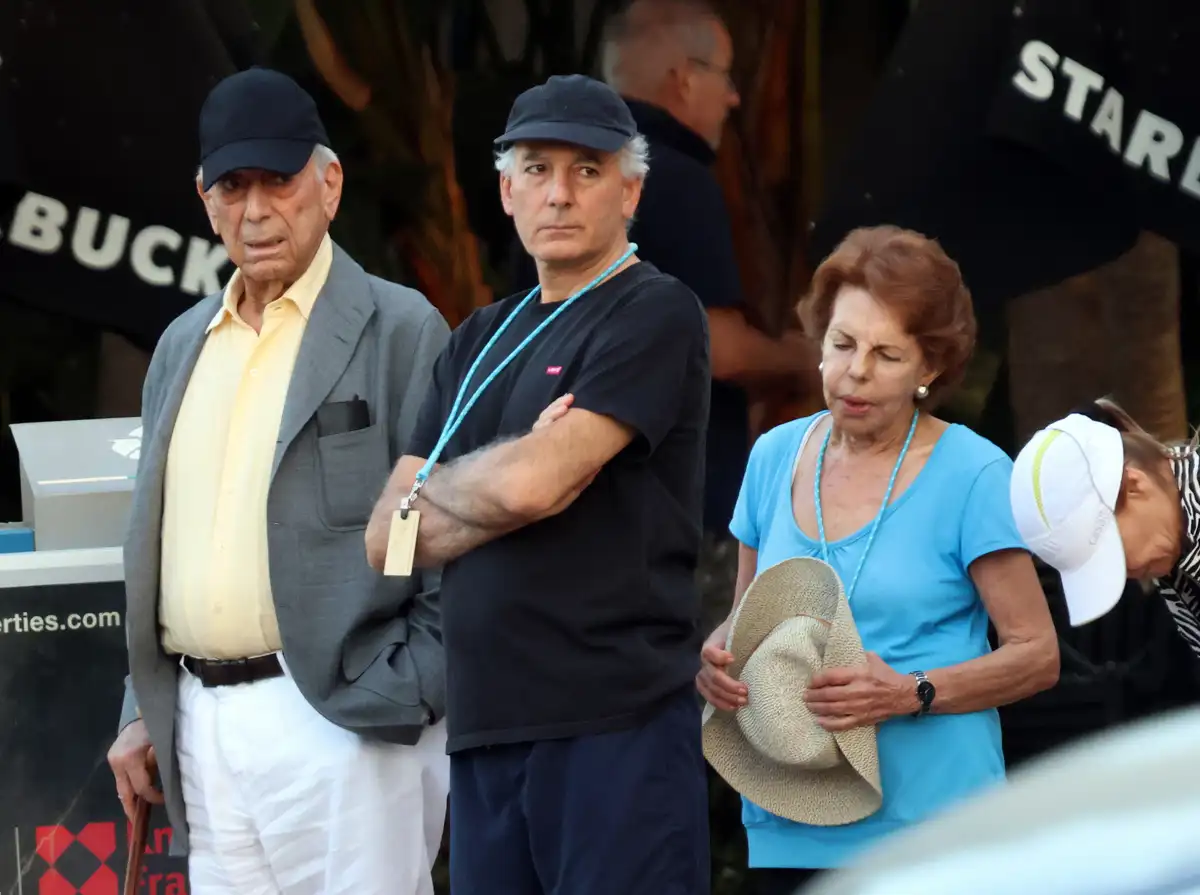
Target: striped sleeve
{"x":1181,"y":591}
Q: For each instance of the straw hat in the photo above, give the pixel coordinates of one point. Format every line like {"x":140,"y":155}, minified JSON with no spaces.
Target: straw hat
{"x":793,"y":621}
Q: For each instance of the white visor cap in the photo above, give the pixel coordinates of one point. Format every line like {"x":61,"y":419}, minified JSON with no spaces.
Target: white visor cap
{"x":1064,"y":492}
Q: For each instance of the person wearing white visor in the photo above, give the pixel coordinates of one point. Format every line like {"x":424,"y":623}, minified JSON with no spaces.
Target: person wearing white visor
{"x":1102,"y":501}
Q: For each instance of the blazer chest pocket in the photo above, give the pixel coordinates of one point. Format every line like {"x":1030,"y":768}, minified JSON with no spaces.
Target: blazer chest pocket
{"x":352,"y":468}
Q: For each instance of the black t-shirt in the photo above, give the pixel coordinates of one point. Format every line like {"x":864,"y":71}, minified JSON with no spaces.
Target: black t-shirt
{"x":682,"y":227}
{"x":586,"y":621}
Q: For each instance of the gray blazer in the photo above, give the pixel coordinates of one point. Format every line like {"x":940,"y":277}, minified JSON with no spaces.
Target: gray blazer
{"x":364,"y":650}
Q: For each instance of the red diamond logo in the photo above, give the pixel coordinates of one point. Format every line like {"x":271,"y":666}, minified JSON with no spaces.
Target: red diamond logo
{"x":103,"y":882}
{"x":100,"y":839}
{"x":53,"y":883}
{"x":52,"y":842}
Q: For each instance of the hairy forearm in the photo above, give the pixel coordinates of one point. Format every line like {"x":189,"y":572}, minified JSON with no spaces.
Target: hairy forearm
{"x":1013,"y":672}
{"x":479,"y":489}
{"x":509,"y":484}
{"x":453,"y":497}
{"x":442,"y":537}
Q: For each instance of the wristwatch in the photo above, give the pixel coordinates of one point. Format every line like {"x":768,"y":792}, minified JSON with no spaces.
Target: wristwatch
{"x":925,"y":693}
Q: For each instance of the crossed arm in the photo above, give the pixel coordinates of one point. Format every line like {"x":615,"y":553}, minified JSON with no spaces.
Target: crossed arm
{"x":498,"y":489}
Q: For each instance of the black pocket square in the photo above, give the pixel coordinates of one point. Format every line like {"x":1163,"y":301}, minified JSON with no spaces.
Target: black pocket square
{"x":337,"y":417}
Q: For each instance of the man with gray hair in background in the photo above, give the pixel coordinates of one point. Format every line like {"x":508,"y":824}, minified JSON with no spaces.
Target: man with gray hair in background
{"x":291,"y":697}
{"x":557,"y":473}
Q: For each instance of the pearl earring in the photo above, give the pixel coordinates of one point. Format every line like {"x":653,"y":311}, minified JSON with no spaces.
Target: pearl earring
{"x":922,"y":392}
{"x":821,"y":367}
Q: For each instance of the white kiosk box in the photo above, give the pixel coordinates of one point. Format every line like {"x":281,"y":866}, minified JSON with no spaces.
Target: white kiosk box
{"x":63,"y":666}
{"x":77,"y":480}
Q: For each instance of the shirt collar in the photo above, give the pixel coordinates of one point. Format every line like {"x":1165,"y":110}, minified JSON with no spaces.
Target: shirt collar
{"x":1185,"y":463}
{"x":656,"y":124}
{"x":303,"y":293}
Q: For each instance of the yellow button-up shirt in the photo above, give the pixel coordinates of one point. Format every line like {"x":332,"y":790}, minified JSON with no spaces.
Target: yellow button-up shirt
{"x":216,"y":600}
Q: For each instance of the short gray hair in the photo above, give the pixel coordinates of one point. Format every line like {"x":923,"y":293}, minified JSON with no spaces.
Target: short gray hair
{"x":632,"y":58}
{"x":321,"y":157}
{"x":634,"y":158}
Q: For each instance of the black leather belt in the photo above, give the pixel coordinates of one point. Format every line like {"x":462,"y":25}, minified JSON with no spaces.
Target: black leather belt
{"x":228,"y":672}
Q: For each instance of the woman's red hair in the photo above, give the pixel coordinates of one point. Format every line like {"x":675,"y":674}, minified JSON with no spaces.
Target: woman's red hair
{"x":911,"y":275}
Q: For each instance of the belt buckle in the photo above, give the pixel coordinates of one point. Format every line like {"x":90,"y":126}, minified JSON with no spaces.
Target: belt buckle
{"x":237,"y":669}
{"x":207,"y":670}
{"x":227,"y":672}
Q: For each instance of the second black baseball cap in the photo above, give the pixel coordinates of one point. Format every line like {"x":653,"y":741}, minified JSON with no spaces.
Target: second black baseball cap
{"x":572,"y":109}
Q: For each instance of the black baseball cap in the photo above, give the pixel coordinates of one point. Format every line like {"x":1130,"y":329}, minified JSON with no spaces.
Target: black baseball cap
{"x":258,"y":118}
{"x":571,"y":109}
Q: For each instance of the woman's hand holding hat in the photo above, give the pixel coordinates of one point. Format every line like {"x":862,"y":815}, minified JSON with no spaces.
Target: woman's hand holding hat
{"x":792,"y":621}
{"x":860,"y":695}
{"x":715,"y":685}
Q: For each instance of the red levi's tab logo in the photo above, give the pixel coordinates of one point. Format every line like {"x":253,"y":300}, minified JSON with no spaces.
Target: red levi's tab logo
{"x":553,"y":371}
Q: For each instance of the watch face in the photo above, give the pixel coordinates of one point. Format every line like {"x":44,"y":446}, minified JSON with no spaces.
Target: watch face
{"x":925,"y":692}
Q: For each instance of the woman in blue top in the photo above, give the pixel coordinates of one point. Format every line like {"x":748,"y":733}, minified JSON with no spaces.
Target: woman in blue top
{"x":914,"y":515}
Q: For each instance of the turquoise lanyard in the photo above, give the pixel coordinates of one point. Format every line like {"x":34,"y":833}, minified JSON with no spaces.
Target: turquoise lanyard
{"x":878,"y":516}
{"x":456,"y":415}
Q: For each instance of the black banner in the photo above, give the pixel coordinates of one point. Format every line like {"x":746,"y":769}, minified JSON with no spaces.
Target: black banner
{"x":99,"y":216}
{"x":62,"y":664}
{"x":1108,"y":90}
{"x":1034,"y":138}
{"x":129,"y":272}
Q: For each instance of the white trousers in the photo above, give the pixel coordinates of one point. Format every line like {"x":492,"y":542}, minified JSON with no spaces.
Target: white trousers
{"x":282,"y":802}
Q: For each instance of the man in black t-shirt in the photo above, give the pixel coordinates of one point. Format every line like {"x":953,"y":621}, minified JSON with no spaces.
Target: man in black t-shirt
{"x":671,"y":60}
{"x":559,"y":461}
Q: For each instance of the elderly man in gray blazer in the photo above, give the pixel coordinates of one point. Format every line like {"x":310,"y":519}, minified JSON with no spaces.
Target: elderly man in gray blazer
{"x":290,"y":696}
